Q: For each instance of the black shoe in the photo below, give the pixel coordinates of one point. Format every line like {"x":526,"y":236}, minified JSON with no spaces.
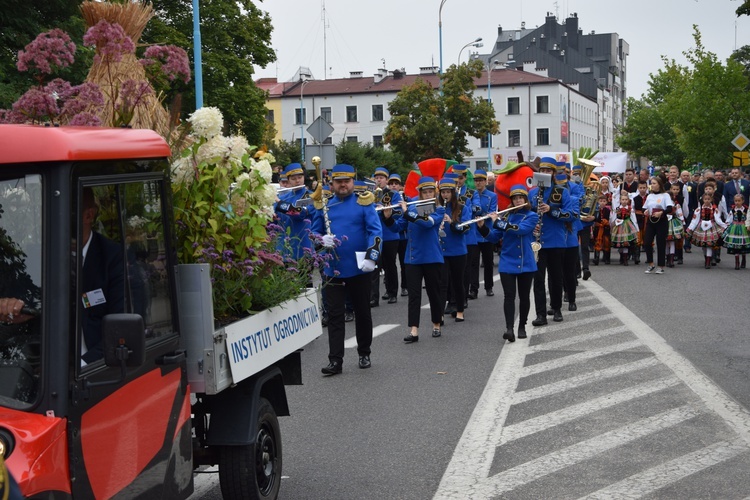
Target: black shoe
{"x":586,"y":274}
{"x":557,"y":316}
{"x":550,"y":312}
{"x":436,"y":332}
{"x":489,"y":292}
{"x":333,"y":368}
{"x":385,"y":296}
{"x":459,"y":320}
{"x":404,"y":292}
{"x":411,"y":338}
{"x":565,"y":296}
{"x":572,"y":306}
{"x":539,"y":321}
{"x":508,"y":335}
{"x":578,"y":275}
{"x":392,"y":299}
{"x":324,"y":321}
{"x":472,"y":294}
{"x":348,"y":317}
{"x":374,"y":303}
{"x":595,"y":262}
{"x":521,"y":331}
{"x":364,"y":362}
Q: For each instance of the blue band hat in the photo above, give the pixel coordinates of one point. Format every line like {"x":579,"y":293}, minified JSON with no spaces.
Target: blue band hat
{"x":343,"y":171}
{"x":561,"y":174}
{"x":381,"y":171}
{"x":294,"y":169}
{"x":394,"y":177}
{"x":426,"y":183}
{"x":576,"y":169}
{"x":447,"y":183}
{"x":519,"y":189}
{"x":460,"y":169}
{"x":480,"y":174}
{"x":548,"y":162}
{"x":283,"y":177}
{"x":451,"y":175}
{"x":360,"y":185}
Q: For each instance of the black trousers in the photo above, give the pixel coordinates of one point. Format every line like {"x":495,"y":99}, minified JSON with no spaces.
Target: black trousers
{"x":402,"y":261}
{"x":584,"y":236}
{"x":471,"y":277}
{"x":656,"y":230}
{"x":431,"y":275}
{"x":511,"y":283}
{"x":389,"y":256}
{"x":570,"y":264}
{"x":487,"y":251}
{"x":356,"y":288}
{"x":550,"y":262}
{"x":453,"y":277}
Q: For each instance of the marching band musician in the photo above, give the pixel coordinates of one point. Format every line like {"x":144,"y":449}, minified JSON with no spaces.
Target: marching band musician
{"x":346,"y":225}
{"x":294,"y":217}
{"x":556,"y":208}
{"x":384,"y":197}
{"x":394,"y":183}
{"x":570,"y":257}
{"x":517,"y":264}
{"x":453,"y":242}
{"x":584,"y":234}
{"x":484,"y":202}
{"x":465,"y":195}
{"x":424,"y":257}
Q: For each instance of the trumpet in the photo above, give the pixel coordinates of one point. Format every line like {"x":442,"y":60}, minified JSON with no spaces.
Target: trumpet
{"x":398,"y":205}
{"x":487,"y":216}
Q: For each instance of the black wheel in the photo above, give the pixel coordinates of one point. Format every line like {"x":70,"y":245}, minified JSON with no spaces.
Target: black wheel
{"x":253,"y":471}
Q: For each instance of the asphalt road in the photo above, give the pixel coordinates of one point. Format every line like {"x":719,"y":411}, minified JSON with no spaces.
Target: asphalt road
{"x":641,"y":393}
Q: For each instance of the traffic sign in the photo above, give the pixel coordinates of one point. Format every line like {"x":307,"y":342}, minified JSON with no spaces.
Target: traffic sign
{"x":741,"y":141}
{"x":320,"y":129}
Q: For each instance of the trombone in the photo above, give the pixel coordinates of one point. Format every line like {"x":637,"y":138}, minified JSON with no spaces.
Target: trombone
{"x":487,"y":216}
{"x":398,"y":205}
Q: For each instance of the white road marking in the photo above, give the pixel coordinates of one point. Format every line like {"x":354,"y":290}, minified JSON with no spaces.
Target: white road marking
{"x":376,"y":331}
{"x":649,"y":481}
{"x":577,"y":339}
{"x":570,"y":324}
{"x":205,"y":481}
{"x":579,"y":358}
{"x":568,"y":414}
{"x":581,"y":380}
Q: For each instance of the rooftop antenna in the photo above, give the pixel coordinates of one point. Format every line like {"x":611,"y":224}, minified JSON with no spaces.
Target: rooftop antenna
{"x":325,"y":46}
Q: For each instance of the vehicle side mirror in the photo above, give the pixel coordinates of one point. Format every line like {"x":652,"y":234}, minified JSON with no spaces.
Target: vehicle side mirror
{"x":124,"y":338}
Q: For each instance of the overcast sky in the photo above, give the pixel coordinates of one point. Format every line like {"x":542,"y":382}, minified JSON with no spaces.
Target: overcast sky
{"x":366,"y":35}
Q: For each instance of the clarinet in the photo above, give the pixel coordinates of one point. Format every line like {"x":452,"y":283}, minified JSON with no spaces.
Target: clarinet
{"x":537,"y":245}
{"x":441,"y":231}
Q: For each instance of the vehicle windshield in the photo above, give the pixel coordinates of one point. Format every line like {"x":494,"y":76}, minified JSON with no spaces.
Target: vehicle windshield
{"x":20,"y":279}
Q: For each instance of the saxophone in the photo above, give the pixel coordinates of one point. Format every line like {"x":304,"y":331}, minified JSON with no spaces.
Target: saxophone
{"x":592,"y":189}
{"x":537,"y":244}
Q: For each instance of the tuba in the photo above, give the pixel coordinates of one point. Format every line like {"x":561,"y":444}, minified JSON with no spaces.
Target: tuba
{"x":592,"y":189}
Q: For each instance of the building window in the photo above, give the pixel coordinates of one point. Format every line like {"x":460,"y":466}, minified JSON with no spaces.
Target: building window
{"x":589,"y":51}
{"x":377,"y":141}
{"x":481,"y":164}
{"x":542,"y":104}
{"x":328,"y":140}
{"x":514,"y":105}
{"x":514,"y":138}
{"x":377,"y":112}
{"x":300,"y":116}
{"x":325,"y":113}
{"x":484,"y":143}
{"x":270,"y":116}
{"x":351,"y":113}
{"x":351,"y":138}
{"x":542,"y":137}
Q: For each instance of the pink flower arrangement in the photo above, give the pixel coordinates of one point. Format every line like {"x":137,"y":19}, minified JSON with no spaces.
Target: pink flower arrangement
{"x":172,"y":60}
{"x":110,"y":40}
{"x":49,"y":51}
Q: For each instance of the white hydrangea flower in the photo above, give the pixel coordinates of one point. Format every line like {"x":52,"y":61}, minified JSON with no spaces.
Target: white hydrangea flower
{"x":237,"y":147}
{"x":267,"y":156}
{"x":207,"y":122}
{"x":263,"y":167}
{"x":213,"y":151}
{"x":183,"y":171}
{"x":137,"y":222}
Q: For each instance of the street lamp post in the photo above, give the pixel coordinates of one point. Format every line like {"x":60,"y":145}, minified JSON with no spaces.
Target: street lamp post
{"x":490,"y":67}
{"x":198,"y":70}
{"x":440,"y":36}
{"x":475,"y":43}
{"x":302,"y":122}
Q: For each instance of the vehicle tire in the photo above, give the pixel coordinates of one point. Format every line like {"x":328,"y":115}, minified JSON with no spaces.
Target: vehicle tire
{"x":253,"y":471}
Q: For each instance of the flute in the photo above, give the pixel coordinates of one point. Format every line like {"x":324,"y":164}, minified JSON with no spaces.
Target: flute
{"x":397,"y":205}
{"x":487,"y":216}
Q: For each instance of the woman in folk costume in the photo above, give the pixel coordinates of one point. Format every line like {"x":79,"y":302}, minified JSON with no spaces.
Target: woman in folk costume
{"x":657,"y":206}
{"x":624,"y":231}
{"x":606,"y":188}
{"x":453,"y":243}
{"x":517,"y":263}
{"x":602,"y":242}
{"x":424,"y":257}
{"x":675,"y":227}
{"x":706,"y":226}
{"x":736,"y":236}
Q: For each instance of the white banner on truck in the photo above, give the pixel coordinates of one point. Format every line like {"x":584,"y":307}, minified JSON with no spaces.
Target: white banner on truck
{"x":611,"y":162}
{"x":266,"y":337}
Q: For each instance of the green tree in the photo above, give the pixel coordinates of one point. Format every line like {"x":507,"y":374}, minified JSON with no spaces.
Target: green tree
{"x":366,"y":157}
{"x":20,"y":22}
{"x":425,"y":124}
{"x":286,"y":152}
{"x":235,"y":35}
{"x":742,"y":56}
{"x":744,"y":9}
{"x":647,"y":134}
